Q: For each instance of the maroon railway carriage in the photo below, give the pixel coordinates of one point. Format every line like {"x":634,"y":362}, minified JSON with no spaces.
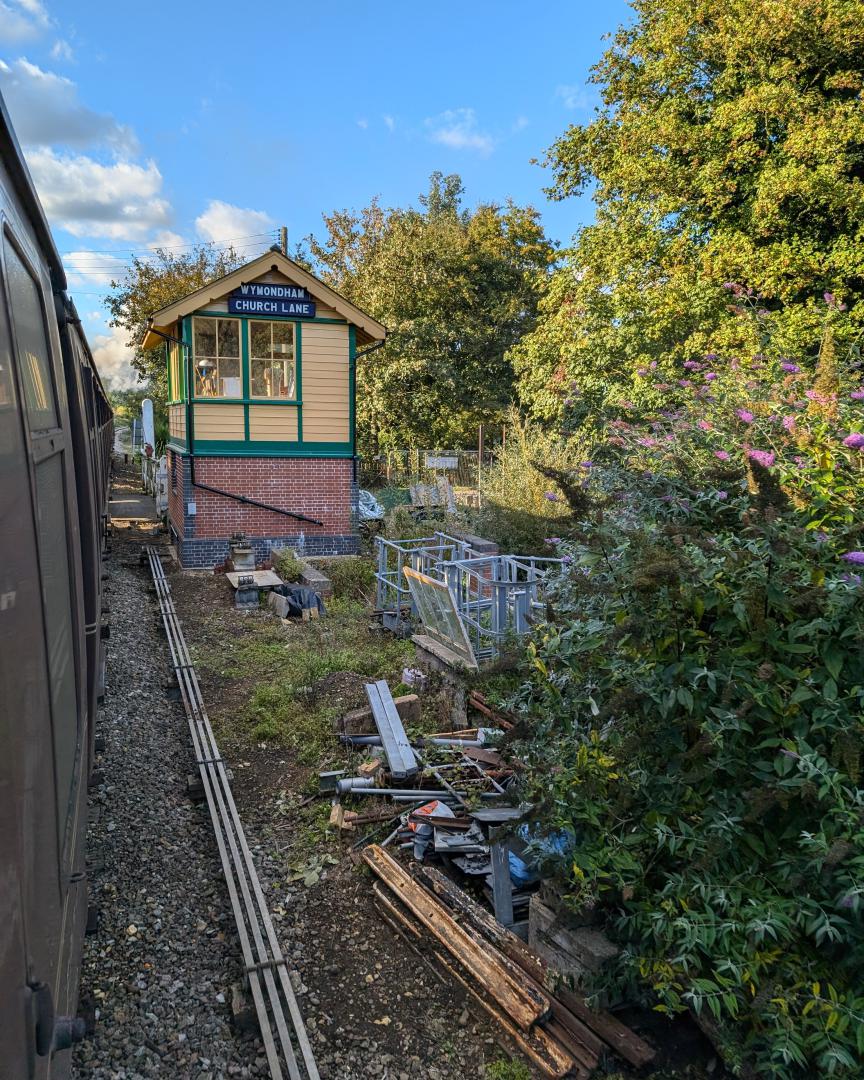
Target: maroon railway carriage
{"x":55,"y":445}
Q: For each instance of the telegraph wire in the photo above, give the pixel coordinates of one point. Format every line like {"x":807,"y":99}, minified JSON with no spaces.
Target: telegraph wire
{"x":172,"y":247}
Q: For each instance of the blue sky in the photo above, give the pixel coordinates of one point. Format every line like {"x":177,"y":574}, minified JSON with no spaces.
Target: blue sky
{"x":175,"y":123}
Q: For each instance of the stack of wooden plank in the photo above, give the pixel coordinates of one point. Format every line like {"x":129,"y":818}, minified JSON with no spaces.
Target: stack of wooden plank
{"x":555,"y":1030}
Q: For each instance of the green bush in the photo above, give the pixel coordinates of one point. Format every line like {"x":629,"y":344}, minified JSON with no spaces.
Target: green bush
{"x":352,"y":577}
{"x":287,"y":565}
{"x":402,"y":524}
{"x":695,"y":705}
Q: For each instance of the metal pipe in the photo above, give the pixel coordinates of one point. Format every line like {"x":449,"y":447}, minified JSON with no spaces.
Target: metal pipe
{"x":359,"y":785}
{"x":375,"y":740}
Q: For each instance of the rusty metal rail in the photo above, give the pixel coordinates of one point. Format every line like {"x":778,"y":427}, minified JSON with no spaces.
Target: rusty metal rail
{"x":289,"y":1050}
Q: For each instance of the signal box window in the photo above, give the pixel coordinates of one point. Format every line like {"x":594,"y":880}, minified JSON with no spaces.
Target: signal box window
{"x":216,"y":344}
{"x":271,"y":360}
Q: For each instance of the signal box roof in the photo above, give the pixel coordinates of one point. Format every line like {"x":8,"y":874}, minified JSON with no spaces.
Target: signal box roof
{"x":369,"y":330}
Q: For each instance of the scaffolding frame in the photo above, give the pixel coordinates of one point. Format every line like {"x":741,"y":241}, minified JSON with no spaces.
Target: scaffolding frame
{"x":494,"y":596}
{"x":497,"y":596}
{"x":393,"y":599}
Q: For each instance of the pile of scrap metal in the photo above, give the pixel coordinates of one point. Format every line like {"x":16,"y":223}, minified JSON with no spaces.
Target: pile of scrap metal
{"x":456,"y":770}
{"x":554,"y":1029}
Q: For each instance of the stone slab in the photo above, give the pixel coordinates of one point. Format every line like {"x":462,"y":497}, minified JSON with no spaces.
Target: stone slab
{"x":313,"y":579}
{"x":261,"y":579}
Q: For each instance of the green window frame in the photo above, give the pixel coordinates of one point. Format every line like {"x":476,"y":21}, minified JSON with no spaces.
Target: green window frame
{"x":175,"y":365}
{"x":271,"y":352}
{"x":246,"y":397}
{"x":217,"y":358}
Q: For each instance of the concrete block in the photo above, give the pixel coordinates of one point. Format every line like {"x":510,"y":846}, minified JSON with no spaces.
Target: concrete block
{"x":316,"y":581}
{"x":478,"y":543}
{"x":279,"y":604}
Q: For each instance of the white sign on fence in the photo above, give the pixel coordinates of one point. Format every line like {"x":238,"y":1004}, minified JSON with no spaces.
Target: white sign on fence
{"x":442,"y":461}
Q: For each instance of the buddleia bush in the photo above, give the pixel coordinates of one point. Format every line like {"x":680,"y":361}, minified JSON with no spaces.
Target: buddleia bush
{"x":693,"y":708}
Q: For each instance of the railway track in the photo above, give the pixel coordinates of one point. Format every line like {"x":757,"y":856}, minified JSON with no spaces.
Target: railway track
{"x":286,"y":1041}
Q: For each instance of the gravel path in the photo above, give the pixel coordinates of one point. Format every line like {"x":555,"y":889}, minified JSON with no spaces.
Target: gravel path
{"x":159,"y":968}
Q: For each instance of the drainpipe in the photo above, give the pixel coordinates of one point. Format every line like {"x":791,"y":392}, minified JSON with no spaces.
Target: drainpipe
{"x":358,"y":356}
{"x":190,"y":438}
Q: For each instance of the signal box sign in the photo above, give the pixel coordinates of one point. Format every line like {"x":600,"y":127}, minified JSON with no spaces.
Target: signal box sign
{"x":289,"y":301}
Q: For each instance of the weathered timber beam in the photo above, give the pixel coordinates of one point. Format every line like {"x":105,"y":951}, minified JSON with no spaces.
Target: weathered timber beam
{"x":537,"y":1045}
{"x":617,"y":1036}
{"x":525,"y":1004}
{"x":583,"y":1044}
{"x":548,"y":1052}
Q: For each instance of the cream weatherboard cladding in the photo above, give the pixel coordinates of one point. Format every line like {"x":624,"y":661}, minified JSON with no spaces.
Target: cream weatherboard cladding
{"x":177,"y":421}
{"x":219,"y":422}
{"x":326,"y":385}
{"x":272,"y":423}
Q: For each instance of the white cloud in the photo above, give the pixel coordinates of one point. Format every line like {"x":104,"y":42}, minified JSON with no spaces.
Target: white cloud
{"x":520,"y":123}
{"x":389,"y":123}
{"x":62,"y":50}
{"x":457,"y":128}
{"x":22,"y":20}
{"x":114,"y":359}
{"x":165,"y":238}
{"x":93,"y":267}
{"x":46,"y":111}
{"x":221,"y":221}
{"x":576,"y":97}
{"x":121,"y":201}
{"x":363,"y":123}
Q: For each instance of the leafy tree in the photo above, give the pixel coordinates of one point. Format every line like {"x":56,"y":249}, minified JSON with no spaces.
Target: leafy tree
{"x":729,"y":147}
{"x":153,"y":283}
{"x":456,"y":289}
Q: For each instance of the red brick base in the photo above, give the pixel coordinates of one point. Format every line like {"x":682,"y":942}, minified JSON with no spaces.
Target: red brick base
{"x":319,"y":488}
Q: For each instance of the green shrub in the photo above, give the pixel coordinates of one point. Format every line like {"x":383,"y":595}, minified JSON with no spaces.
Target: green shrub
{"x":401,"y":524}
{"x":352,"y":576}
{"x":695,"y":704}
{"x":287,"y":565}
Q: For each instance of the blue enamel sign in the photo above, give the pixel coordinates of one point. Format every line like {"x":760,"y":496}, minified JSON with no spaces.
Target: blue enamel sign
{"x":259,"y":298}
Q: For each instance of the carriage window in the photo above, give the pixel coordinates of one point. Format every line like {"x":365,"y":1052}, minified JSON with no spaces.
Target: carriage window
{"x":33,"y":351}
{"x":217,"y":358}
{"x":271,"y":360}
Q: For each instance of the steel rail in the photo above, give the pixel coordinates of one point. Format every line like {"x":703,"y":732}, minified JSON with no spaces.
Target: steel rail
{"x":265,"y":962}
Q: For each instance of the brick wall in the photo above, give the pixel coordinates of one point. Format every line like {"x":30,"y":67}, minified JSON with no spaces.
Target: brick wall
{"x":320,"y":488}
{"x":178,"y":484}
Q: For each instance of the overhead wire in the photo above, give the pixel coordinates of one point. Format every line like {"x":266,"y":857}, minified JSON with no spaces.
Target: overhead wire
{"x":117,"y":264}
{"x":171,"y":247}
